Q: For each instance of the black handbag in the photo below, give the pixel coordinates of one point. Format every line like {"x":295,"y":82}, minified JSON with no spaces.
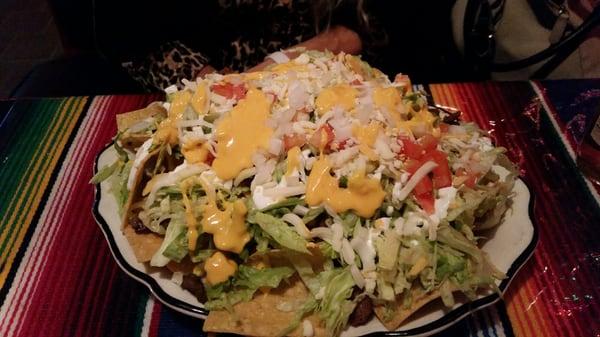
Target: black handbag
{"x":479,"y":35}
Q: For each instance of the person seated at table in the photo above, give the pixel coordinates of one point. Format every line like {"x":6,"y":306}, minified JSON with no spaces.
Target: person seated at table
{"x":160,"y":45}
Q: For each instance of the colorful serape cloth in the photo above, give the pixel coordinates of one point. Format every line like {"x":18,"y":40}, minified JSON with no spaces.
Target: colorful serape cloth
{"x":58,"y":278}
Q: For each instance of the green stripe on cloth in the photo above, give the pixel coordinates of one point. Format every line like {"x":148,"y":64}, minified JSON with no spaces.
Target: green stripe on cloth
{"x":27,"y":160}
{"x":29,"y":164}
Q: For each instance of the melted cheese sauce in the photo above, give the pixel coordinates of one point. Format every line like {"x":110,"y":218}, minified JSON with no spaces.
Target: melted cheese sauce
{"x":363,"y":195}
{"x":228,"y":227}
{"x":289,"y":66}
{"x":421,"y":123}
{"x":341,"y":95}
{"x":366,"y":136}
{"x":167,"y":130}
{"x":190,"y":217}
{"x":387,"y":98}
{"x":219,"y":268}
{"x":241,"y":133}
{"x":293,"y":160}
{"x":200,"y":99}
{"x":195,"y":151}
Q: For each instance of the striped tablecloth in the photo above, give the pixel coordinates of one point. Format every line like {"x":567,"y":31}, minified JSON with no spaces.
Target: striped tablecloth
{"x":58,"y":278}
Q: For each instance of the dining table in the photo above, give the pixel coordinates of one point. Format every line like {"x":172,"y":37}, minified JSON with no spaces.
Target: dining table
{"x":58,"y":277}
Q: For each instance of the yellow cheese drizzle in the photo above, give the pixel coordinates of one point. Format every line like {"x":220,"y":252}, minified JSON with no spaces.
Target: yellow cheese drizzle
{"x":167,"y":130}
{"x":363,"y":195}
{"x":195,"y":151}
{"x":200,"y":99}
{"x":219,"y":268}
{"x":241,"y":133}
{"x":190,"y":217}
{"x":228,"y":227}
{"x":341,"y":95}
{"x":293,"y":160}
{"x":289,"y":66}
{"x":366,"y":136}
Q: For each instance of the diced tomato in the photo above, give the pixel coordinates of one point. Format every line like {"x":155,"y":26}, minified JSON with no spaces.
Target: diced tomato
{"x":209,"y":158}
{"x":471,"y":177}
{"x":322,"y":137}
{"x":411,"y":149}
{"x":424,"y":186}
{"x":229,"y":90}
{"x":426,"y":202}
{"x":356,"y":82}
{"x":442,"y":176}
{"x":429,"y":142}
{"x":342,"y":144}
{"x":444,"y":127}
{"x":294,"y":139}
{"x":423,"y":191}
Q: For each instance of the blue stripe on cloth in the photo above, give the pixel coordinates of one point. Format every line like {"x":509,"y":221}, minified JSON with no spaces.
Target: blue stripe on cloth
{"x":175,"y":324}
{"x":503,"y":315}
{"x":575,"y":102}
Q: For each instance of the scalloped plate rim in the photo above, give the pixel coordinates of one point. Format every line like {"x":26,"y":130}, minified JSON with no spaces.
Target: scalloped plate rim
{"x":437,"y":325}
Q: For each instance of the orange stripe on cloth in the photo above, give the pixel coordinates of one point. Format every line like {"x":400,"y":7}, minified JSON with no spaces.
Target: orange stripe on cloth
{"x":32,"y":201}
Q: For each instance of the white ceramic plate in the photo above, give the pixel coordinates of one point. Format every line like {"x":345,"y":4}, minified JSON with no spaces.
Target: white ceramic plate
{"x":509,"y":246}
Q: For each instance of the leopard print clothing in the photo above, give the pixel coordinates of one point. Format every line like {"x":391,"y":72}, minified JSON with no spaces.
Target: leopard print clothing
{"x":171,"y":63}
{"x":244,"y":33}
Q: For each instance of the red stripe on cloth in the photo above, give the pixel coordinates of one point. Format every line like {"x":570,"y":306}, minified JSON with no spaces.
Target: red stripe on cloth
{"x":534,"y":305}
{"x":39,"y":245}
{"x":69,"y":300}
{"x":538,"y":178}
{"x":155,"y":320}
{"x":72,"y":247}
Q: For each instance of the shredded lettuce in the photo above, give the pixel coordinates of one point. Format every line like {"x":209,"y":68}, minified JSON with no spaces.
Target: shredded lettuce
{"x":174,"y":230}
{"x":280,"y":232}
{"x":312,"y":214}
{"x":387,"y":249}
{"x":335,"y":307}
{"x":289,"y":202}
{"x":309,"y":306}
{"x":241,"y":288}
{"x":178,"y":248}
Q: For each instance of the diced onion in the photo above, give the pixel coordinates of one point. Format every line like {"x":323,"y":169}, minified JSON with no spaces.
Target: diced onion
{"x":279,"y":57}
{"x":360,"y":243}
{"x":359,"y":279}
{"x":383,"y":148}
{"x":307,"y":328}
{"x":337,"y":236}
{"x":171,"y":89}
{"x":284,"y":192}
{"x":177,"y":278}
{"x":298,"y":224}
{"x":347,"y":252}
{"x":275,"y":146}
{"x":298,"y":96}
{"x":331,"y":212}
{"x":324,"y":233}
{"x":243,"y":175}
{"x":415,"y":179}
{"x":300,"y":210}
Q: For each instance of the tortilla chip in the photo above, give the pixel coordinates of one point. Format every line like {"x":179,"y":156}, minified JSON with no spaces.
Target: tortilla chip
{"x":144,"y":246}
{"x":138,"y":186}
{"x":126,"y":120}
{"x":260,"y":316}
{"x":279,"y":258}
{"x":419,"y":300}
